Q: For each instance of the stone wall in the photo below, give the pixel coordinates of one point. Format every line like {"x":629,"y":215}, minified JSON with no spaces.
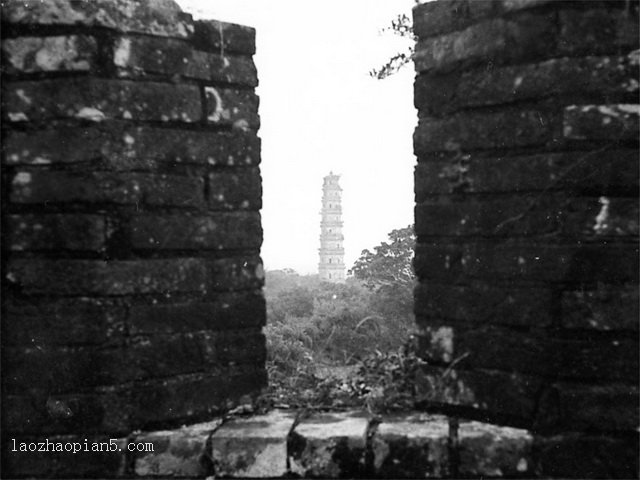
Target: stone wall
{"x":131,"y":228}
{"x":527,"y":222}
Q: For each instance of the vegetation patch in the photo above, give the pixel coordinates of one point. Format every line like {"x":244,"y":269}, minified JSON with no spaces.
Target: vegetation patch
{"x":333,"y":345}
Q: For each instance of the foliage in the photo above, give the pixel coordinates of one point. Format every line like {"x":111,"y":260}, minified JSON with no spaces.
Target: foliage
{"x":291,"y":343}
{"x":403,"y":27}
{"x":331,"y":323}
{"x":289,"y":293}
{"x":389,"y":264}
{"x":387,"y":381}
{"x":387,"y":272}
{"x":316,"y":328}
{"x":296,"y":302}
{"x":380,"y":382}
{"x":324,"y":321}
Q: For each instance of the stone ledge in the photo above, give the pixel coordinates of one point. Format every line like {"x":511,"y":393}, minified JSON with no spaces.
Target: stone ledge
{"x":177,"y":453}
{"x":491,"y":451}
{"x":330,"y":445}
{"x":282,"y":444}
{"x":252,"y":447}
{"x":411,"y":446}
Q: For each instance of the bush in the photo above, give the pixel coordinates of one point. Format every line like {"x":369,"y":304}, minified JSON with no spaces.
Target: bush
{"x":314,"y":324}
{"x":380,"y":382}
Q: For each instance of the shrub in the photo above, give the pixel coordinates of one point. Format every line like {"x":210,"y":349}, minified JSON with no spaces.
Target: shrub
{"x":312,"y":324}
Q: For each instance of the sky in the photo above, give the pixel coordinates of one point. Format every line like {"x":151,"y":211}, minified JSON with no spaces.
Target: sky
{"x":321,"y":111}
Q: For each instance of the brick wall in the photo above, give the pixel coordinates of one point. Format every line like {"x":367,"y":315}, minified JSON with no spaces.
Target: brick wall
{"x":527,"y":222}
{"x":131,"y":228}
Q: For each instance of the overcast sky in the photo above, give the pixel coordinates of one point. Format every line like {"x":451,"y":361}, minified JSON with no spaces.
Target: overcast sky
{"x":320,"y":111}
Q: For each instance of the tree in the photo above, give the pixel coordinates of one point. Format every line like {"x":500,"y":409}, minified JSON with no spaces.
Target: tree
{"x":288,"y":293}
{"x":389,"y":264}
{"x":387,"y":271}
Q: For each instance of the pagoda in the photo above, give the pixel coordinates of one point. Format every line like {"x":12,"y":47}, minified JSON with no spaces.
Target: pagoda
{"x":331,"y":266}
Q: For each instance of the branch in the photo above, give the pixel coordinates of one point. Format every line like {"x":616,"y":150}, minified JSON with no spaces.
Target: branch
{"x":393,"y":65}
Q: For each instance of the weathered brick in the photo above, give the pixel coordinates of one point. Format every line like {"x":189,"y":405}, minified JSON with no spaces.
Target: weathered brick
{"x":504,"y":129}
{"x":486,"y":450}
{"x":435,"y":18}
{"x":237,"y":273}
{"x":411,"y":446}
{"x":597,"y":30}
{"x":98,"y":187}
{"x":140,"y":55}
{"x":495,"y":348}
{"x":148,"y":16}
{"x":575,"y":455}
{"x":515,"y":5}
{"x":193,"y":397}
{"x":602,"y":122}
{"x":552,"y":263}
{"x":79,"y":321}
{"x":57,"y":232}
{"x":194,"y":352}
{"x":107,"y":461}
{"x":480,"y":394}
{"x":49,"y":54}
{"x":176,"y":453}
{"x":481,"y":42}
{"x":580,"y":407}
{"x":202,"y":147}
{"x":529,"y":215}
{"x":220,"y":37}
{"x":58,"y":145}
{"x":230,"y":310}
{"x":586,"y":77}
{"x":607,"y":307}
{"x":122,"y":277}
{"x":615,"y":217}
{"x":605,"y":359}
{"x":151,"y":357}
{"x":172,"y":190}
{"x":216,"y":231}
{"x":329,"y":445}
{"x":436,"y":95}
{"x":45,"y":412}
{"x":233,"y":69}
{"x":68,"y":369}
{"x":122,"y":146}
{"x":239,"y":189}
{"x":232,"y":107}
{"x":610,"y":172}
{"x":100,"y":99}
{"x":524,"y":37}
{"x":119,"y":410}
{"x":489,"y":347}
{"x":479,"y":304}
{"x":145,"y":358}
{"x":499,"y":217}
{"x":252,"y":447}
